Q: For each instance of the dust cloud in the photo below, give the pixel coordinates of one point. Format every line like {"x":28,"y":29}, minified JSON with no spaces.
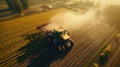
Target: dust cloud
{"x":72,"y":20}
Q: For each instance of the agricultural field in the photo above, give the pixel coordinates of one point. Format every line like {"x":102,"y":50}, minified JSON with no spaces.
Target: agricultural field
{"x":90,"y":38}
{"x":13,"y":47}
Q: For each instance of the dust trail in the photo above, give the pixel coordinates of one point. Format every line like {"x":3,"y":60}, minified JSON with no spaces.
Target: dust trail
{"x":71,"y":20}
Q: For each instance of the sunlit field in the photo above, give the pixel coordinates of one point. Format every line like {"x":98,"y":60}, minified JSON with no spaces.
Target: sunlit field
{"x":12,"y":36}
{"x":93,"y":25}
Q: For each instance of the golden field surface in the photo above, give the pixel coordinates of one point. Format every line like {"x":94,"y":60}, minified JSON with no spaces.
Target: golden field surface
{"x":11,"y":32}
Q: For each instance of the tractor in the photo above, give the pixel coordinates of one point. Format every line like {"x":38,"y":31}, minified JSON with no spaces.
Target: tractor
{"x":59,"y":38}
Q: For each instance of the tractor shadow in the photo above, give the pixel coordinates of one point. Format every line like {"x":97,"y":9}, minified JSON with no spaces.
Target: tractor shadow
{"x":40,"y":52}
